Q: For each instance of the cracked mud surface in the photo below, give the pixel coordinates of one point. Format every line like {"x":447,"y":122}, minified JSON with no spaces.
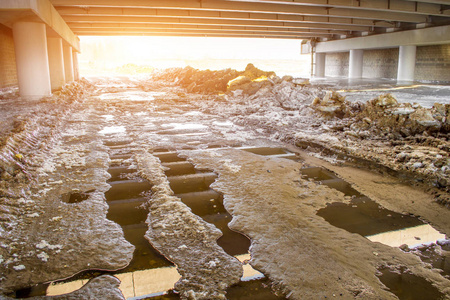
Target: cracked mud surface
{"x":49,"y":151}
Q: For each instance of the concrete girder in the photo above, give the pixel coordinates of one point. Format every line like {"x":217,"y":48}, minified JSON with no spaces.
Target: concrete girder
{"x":201,"y":31}
{"x":223,"y":5}
{"x":73,"y":20}
{"x":425,"y":36}
{"x":319,"y":32}
{"x":208,"y":15}
{"x":399,"y":6}
{"x":444,"y":2}
{"x":191,"y":34}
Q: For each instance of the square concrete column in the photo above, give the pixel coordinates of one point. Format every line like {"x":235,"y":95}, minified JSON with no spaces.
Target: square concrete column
{"x":68,"y":63}
{"x":320,"y":64}
{"x":76,"y":69}
{"x":30,"y":43}
{"x":406,"y":63}
{"x":56,"y":63}
{"x":355,"y":67}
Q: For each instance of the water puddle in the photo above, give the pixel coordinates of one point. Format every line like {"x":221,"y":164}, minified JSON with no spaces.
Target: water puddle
{"x":223,"y":124}
{"x":437,"y":254}
{"x":186,"y":129}
{"x":407,"y":286}
{"x":367,"y":218}
{"x":272,"y":152}
{"x":185,"y":126}
{"x":149,"y":272}
{"x":257,"y":289}
{"x":122,"y":173}
{"x":192,"y":186}
{"x":138,"y":96}
{"x":112,"y":130}
{"x":76,"y":196}
{"x":378,"y":224}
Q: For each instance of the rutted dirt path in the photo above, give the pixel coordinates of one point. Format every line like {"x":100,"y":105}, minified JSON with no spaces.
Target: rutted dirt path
{"x":130,"y":125}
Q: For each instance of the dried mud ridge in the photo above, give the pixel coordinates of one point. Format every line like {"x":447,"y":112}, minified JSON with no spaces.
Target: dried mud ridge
{"x":60,"y":149}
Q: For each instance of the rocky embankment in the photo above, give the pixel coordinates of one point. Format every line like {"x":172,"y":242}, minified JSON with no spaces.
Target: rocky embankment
{"x":404,"y":137}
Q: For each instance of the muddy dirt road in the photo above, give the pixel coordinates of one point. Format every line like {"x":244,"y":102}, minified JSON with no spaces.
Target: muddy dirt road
{"x":139,"y":188}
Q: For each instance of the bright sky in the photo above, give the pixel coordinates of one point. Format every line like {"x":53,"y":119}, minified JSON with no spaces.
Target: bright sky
{"x":141,"y":50}
{"x":141,"y":47}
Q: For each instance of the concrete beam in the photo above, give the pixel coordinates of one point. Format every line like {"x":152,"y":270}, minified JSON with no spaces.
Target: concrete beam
{"x":445,"y":2}
{"x":192,"y":34}
{"x":222,"y":15}
{"x":201,"y":31}
{"x":127,"y":26}
{"x":252,"y":7}
{"x":399,"y":6}
{"x":417,"y":37}
{"x":37,"y":11}
{"x":73,"y":22}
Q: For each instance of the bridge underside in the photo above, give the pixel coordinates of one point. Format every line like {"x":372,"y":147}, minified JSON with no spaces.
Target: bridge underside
{"x":329,"y":26}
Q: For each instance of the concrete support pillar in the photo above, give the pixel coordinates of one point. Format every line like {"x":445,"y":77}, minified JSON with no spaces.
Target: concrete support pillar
{"x":76,"y":70}
{"x":68,"y":63}
{"x":56,"y":63}
{"x":355,"y":67}
{"x":406,"y":63}
{"x":30,"y":42}
{"x":320,"y":64}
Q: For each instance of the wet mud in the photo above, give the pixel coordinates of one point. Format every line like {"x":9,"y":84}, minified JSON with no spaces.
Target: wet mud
{"x":181,"y":195}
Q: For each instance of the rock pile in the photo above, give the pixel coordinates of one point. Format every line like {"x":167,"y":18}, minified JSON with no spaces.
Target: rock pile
{"x":385,"y":113}
{"x":198,"y":81}
{"x":334,"y":105}
{"x":215,"y":82}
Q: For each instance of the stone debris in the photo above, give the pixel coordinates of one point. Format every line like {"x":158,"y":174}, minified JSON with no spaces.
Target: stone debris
{"x":376,"y":131}
{"x":334,"y":105}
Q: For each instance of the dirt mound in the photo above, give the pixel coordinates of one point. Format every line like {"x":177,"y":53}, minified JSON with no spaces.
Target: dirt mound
{"x":198,"y":81}
{"x":334,"y":105}
{"x":385,"y":113}
{"x":216,"y":82}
